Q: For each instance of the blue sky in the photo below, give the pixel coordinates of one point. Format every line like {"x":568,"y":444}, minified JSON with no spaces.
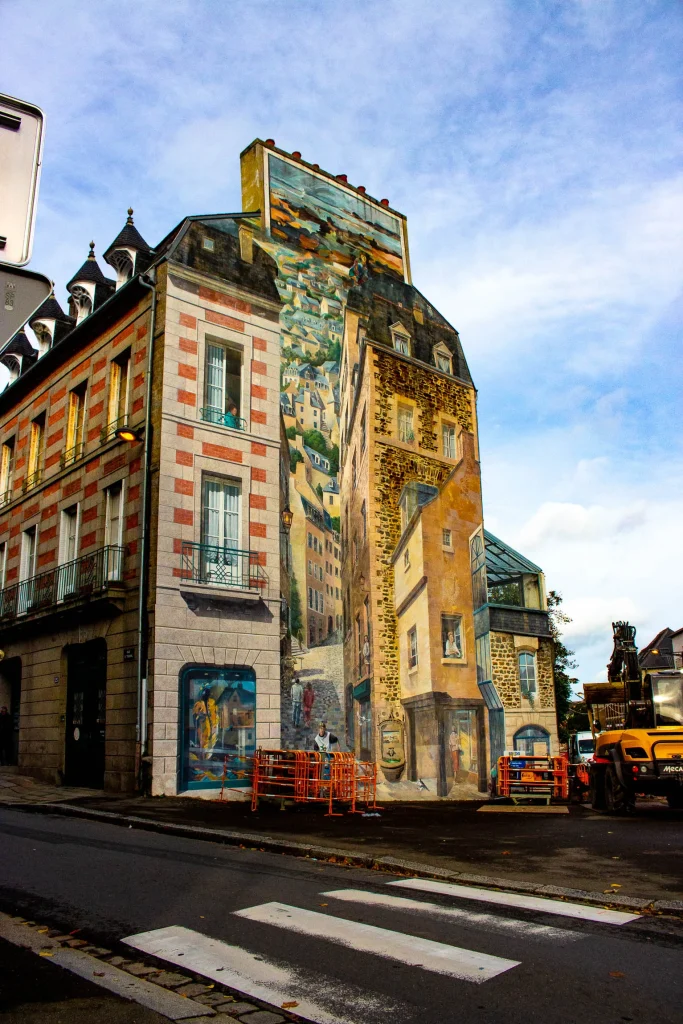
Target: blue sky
{"x":534,"y":148}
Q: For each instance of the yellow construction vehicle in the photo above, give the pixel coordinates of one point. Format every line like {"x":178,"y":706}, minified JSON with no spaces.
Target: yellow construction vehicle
{"x":636,"y":718}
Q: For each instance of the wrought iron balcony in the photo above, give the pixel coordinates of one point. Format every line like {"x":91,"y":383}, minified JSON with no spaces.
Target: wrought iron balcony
{"x":79,"y":579}
{"x":6,"y":497}
{"x":71,"y":455}
{"x":32,"y":480}
{"x":222,"y":567}
{"x":224,"y":419}
{"x":109,"y":429}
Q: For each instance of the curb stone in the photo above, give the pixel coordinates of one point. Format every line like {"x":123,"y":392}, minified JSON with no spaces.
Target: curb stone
{"x":355,"y":858}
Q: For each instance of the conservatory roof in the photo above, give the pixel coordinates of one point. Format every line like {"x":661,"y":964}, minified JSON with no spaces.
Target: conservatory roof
{"x":503,"y":563}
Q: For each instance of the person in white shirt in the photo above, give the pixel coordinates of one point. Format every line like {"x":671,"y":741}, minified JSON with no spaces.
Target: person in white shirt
{"x":297,"y":694}
{"x":325,"y":739}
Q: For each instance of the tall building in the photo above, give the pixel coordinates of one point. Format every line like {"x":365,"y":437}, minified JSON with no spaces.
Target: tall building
{"x":140,"y":527}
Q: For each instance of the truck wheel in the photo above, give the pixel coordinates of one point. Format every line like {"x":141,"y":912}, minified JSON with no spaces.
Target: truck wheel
{"x":617,"y":799}
{"x":675,"y":799}
{"x":597,"y":790}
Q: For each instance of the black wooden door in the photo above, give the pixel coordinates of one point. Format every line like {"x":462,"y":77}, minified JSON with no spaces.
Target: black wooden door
{"x":85,"y":714}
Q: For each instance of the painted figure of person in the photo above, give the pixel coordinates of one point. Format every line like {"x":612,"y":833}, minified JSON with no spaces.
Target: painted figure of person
{"x":452,"y":647}
{"x":366,"y":651}
{"x":231,"y":416}
{"x":5,"y":735}
{"x":297,"y":694}
{"x":324,"y":739}
{"x":454,"y":748}
{"x":359,"y":270}
{"x":205,"y":714}
{"x":308,"y":702}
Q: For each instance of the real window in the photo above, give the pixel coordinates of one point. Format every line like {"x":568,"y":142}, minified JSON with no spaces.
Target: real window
{"x":404,"y":419}
{"x":412,"y":647}
{"x":447,"y":538}
{"x":75,"y":424}
{"x":36,"y":450}
{"x":527,"y":673}
{"x":119,"y":386}
{"x":449,"y":441}
{"x":27,"y":569}
{"x":223,"y":384}
{"x":68,"y":550}
{"x":113,"y":529}
{"x":6,"y":471}
{"x":3,"y":563}
{"x":451,"y":636}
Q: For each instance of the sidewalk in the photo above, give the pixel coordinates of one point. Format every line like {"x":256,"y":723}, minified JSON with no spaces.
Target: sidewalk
{"x":635,"y":857}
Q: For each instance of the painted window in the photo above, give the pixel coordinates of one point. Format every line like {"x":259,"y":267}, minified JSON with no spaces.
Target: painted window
{"x":219,"y":726}
{"x":364,"y":521}
{"x":310,"y":597}
{"x":478,"y":567}
{"x":463,"y":746}
{"x":447,"y":538}
{"x":363,"y":430}
{"x":223,"y":383}
{"x":532,"y":739}
{"x":443,"y":362}
{"x":527,"y":673}
{"x":221,"y":530}
{"x":365,"y":730}
{"x":449,"y":442}
{"x":354,"y":471}
{"x":451,"y":636}
{"x":406,"y":560}
{"x":482,"y":650}
{"x":406,"y":432}
{"x":412,"y":647}
{"x":359,"y":645}
{"x":400,"y":339}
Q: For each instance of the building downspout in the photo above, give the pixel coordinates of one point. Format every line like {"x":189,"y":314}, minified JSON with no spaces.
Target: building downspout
{"x":147,"y":281}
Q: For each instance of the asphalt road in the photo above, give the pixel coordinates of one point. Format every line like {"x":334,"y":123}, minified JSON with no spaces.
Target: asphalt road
{"x":533,"y":966}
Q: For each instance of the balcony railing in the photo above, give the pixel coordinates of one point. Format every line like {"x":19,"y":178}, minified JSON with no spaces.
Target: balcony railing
{"x":71,"y":455}
{"x":225,"y":419}
{"x":6,"y":497}
{"x":32,"y":480}
{"x":223,"y":567}
{"x":79,"y":579}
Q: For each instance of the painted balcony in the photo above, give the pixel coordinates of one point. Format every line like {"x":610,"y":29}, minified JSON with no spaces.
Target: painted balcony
{"x":229,"y":568}
{"x":222,"y":419}
{"x":81,"y":580}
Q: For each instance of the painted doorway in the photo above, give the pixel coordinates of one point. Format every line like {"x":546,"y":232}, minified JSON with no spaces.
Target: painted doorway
{"x":218,"y":707}
{"x":86,"y":700}
{"x":10,"y":697}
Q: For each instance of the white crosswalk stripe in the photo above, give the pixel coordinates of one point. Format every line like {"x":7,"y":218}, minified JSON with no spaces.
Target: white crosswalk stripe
{"x":491,"y":922}
{"x":513,"y":899}
{"x":408,"y":949}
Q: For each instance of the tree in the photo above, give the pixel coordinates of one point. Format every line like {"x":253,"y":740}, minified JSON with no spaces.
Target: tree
{"x":563,"y":662}
{"x":333,"y":456}
{"x":295,"y":457}
{"x":336,"y":523}
{"x":319,"y":492}
{"x":315,"y":440}
{"x":296,"y":622}
{"x":291,"y":433}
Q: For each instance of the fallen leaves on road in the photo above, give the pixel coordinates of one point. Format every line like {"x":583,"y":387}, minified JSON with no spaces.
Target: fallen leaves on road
{"x":290,"y":1005}
{"x":617,"y":974}
{"x":45,"y":952}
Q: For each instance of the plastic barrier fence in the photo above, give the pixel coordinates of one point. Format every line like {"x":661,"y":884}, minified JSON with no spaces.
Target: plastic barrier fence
{"x":531,"y":775}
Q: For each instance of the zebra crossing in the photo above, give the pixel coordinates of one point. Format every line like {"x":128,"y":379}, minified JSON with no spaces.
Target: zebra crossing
{"x":285,"y":980}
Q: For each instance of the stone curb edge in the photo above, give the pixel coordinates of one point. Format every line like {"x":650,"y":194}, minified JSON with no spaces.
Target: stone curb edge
{"x":356,"y":858}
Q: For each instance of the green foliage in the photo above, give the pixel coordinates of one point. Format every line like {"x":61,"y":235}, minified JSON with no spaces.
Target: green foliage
{"x":295,"y":456}
{"x":296,"y":622}
{"x":333,"y":456}
{"x":315,"y":440}
{"x":291,"y":433}
{"x":563,"y":663}
{"x":506,"y":593}
{"x":319,"y":492}
{"x":336,"y":523}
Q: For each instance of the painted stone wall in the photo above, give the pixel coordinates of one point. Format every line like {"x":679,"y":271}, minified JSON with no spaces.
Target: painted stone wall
{"x":504,"y":664}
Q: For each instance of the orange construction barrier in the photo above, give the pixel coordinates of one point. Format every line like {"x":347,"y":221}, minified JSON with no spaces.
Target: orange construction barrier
{"x":309,"y":776}
{"x":532,"y":775}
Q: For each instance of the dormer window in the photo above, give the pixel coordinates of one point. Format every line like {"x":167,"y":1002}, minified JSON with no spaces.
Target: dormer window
{"x":443,"y":360}
{"x":80,"y":302}
{"x":123,"y":262}
{"x":400,"y":338}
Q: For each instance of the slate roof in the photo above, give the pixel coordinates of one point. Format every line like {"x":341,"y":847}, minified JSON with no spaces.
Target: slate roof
{"x":51,"y":310}
{"x":90,"y":271}
{"x":385,"y":301}
{"x":18,"y":345}
{"x":128,"y":238}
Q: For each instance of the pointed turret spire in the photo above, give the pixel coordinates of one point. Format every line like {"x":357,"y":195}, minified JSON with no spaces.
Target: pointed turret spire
{"x":129,"y":252}
{"x":88,"y":287}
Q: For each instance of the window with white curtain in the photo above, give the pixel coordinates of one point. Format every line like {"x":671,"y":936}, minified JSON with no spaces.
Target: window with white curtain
{"x":221,"y":530}
{"x":223,"y":382}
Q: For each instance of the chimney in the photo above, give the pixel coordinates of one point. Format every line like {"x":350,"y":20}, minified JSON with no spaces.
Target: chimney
{"x":296,"y":154}
{"x":342,"y":177}
{"x":384,"y":202}
{"x":361,"y":188}
{"x":246,"y":234}
{"x":270,"y":142}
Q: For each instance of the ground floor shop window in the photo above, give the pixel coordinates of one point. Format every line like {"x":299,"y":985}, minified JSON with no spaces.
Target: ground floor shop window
{"x":532,"y":739}
{"x":219,"y":726}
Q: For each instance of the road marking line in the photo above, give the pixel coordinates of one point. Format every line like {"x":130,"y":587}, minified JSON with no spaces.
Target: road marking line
{"x":144,"y":993}
{"x":528,"y":929}
{"x":256,"y":976}
{"x":514,"y":899}
{"x":465,"y":964}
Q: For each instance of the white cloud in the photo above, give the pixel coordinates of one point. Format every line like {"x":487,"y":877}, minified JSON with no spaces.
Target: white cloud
{"x":566,"y":521}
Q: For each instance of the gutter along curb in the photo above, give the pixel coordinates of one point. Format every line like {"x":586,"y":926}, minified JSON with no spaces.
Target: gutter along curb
{"x":354,"y":858}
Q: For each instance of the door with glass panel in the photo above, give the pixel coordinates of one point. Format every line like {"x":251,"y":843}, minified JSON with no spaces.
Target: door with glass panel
{"x":221,"y":561}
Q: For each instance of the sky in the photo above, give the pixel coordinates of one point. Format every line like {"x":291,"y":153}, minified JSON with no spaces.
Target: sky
{"x":533,"y":146}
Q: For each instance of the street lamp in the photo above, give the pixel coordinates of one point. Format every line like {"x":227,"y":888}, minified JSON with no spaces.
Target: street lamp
{"x":287,"y":517}
{"x":129,"y":434}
